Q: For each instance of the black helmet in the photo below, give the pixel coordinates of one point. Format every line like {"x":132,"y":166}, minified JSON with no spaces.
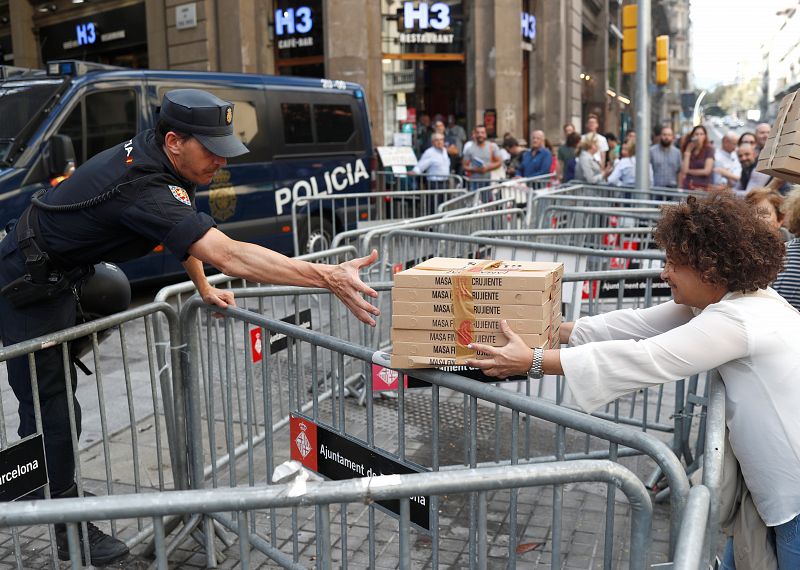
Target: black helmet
{"x":105,"y":291}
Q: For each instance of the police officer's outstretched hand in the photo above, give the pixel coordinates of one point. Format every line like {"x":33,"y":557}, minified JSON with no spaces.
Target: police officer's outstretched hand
{"x":343,"y":281}
{"x":219,"y":297}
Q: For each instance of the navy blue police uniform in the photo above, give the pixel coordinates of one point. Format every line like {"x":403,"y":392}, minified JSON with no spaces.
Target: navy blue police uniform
{"x":117,"y":206}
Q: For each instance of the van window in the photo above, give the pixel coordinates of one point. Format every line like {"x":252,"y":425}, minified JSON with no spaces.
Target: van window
{"x":334,"y":123}
{"x":315,"y":122}
{"x":100,"y":121}
{"x":297,"y":123}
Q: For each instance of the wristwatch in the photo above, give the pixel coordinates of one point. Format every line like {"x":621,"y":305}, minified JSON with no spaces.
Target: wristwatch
{"x":535,"y":371}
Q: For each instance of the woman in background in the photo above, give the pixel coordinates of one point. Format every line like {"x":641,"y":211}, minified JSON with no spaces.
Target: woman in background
{"x":697,"y":165}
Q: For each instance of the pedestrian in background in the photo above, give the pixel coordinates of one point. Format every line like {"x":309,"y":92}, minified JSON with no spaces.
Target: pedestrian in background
{"x":538,"y":160}
{"x":613,"y":149}
{"x":762,"y":134}
{"x":750,"y":177}
{"x":665,"y":160}
{"x":768,"y":204}
{"x":624,"y":171}
{"x":587,"y":169}
{"x":515,"y":153}
{"x":568,"y":166}
{"x":435,"y":162}
{"x":424,"y":132}
{"x":592,"y":126}
{"x":480,"y":159}
{"x":697,"y":166}
{"x":747,"y":138}
{"x":787,"y":283}
{"x":727,"y":168}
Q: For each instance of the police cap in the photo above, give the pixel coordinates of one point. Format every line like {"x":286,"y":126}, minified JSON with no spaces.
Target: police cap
{"x":206,"y":117}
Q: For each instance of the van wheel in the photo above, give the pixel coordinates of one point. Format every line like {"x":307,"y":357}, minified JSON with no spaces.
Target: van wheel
{"x":318,"y":238}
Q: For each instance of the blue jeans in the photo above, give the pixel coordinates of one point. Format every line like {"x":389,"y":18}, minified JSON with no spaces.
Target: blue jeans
{"x":787,"y":546}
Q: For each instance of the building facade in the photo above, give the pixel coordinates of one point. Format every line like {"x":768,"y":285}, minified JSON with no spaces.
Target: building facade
{"x":671,"y":18}
{"x":781,"y":61}
{"x":513,"y":65}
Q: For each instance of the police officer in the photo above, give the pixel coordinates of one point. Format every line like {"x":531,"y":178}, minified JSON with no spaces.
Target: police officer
{"x":118,"y":206}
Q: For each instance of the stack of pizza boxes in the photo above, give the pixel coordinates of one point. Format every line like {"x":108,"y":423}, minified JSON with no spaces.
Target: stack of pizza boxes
{"x":442,"y":305}
{"x":780,"y":156}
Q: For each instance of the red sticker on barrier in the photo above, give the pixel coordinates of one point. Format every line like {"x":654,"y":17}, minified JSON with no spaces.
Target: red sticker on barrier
{"x":384,"y":379}
{"x":303,"y":436}
{"x":256,"y":345}
{"x":585,"y":294}
{"x":397,"y":268}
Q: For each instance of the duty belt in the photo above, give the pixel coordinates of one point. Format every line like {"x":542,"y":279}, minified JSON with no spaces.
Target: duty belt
{"x":43,"y":279}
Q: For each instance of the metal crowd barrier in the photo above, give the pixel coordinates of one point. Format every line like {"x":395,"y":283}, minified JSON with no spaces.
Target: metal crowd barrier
{"x":555,"y":217}
{"x":689,"y":549}
{"x":489,"y":217}
{"x":651,"y":192}
{"x":326,"y":215}
{"x":610,"y":238}
{"x":518,"y":189}
{"x":133,"y":438}
{"x":235,"y":414}
{"x":391,"y":181}
{"x":322,"y":500}
{"x":404,"y":248}
{"x":403,"y":430}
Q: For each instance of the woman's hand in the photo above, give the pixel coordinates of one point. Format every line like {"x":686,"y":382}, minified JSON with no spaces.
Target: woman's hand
{"x":512,"y":359}
{"x":343,"y":281}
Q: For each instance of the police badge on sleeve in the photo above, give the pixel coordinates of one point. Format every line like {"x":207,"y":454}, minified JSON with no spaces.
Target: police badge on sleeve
{"x":180,"y":194}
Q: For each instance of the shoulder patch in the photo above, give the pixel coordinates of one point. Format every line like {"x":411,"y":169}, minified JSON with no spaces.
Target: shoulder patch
{"x":180,"y":194}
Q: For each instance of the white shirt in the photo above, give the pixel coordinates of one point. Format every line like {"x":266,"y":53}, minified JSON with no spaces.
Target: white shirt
{"x":752,"y":339}
{"x":729,"y":161}
{"x":624,"y":173}
{"x":434,"y":161}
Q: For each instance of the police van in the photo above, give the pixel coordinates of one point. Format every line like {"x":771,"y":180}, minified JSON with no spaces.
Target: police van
{"x":306,"y":137}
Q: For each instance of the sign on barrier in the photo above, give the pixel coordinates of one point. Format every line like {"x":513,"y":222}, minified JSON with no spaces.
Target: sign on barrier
{"x":385,"y":380}
{"x":338,"y":458}
{"x":277,"y":341}
{"x":22,"y":468}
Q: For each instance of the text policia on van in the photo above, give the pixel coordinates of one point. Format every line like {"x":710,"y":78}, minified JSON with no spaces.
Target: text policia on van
{"x":336,"y":180}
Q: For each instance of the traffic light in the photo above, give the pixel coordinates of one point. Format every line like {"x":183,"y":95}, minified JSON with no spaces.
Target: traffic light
{"x":662,"y":60}
{"x":629,"y":32}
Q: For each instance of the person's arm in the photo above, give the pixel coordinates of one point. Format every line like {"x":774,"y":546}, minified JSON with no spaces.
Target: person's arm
{"x":616,"y":175}
{"x":625,"y":324}
{"x":495,"y":160}
{"x":424,"y":163}
{"x":211,"y":295}
{"x":596,"y":176}
{"x":258,"y":264}
{"x":731,"y":177}
{"x":601,"y":372}
{"x":708,"y":168}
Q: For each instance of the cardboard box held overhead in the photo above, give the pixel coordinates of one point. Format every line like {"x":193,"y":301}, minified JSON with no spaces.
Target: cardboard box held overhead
{"x":780,"y":156}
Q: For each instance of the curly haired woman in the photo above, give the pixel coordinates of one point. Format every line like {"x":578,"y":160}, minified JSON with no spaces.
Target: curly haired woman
{"x":720,"y":260}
